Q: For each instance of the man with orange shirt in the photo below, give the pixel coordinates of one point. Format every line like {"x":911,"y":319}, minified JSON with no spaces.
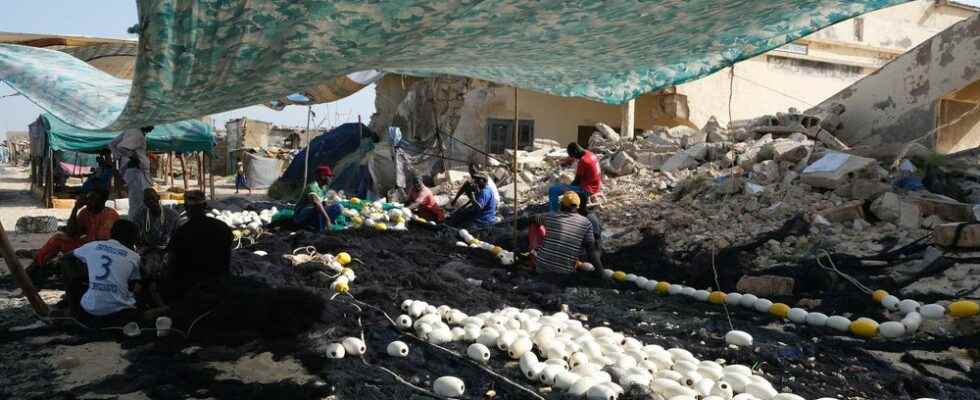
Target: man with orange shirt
{"x":588,"y":177}
{"x":94,"y":222}
{"x":423,"y":202}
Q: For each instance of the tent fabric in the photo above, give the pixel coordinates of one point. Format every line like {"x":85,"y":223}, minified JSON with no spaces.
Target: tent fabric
{"x":328,"y":148}
{"x":262,"y":171}
{"x":207,"y":56}
{"x":181,"y":137}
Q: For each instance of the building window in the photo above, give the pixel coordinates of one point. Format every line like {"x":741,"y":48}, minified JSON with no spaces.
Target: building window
{"x":500,"y":134}
{"x":859,"y":29}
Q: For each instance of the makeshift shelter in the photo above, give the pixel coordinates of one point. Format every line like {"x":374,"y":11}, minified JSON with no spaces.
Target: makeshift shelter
{"x":362,"y":163}
{"x":61,"y":150}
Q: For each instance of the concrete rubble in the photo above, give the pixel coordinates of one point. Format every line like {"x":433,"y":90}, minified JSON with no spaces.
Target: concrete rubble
{"x":717,"y":187}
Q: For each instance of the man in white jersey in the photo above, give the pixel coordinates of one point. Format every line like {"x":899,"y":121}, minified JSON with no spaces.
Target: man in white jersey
{"x":101,"y":290}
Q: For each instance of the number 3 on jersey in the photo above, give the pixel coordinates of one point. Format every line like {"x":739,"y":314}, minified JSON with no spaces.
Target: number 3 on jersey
{"x":106,"y":262}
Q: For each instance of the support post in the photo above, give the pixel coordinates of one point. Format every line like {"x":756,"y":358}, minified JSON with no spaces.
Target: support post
{"x":183,"y":170}
{"x":629,"y":120}
{"x":306,"y":161}
{"x":20,"y":276}
{"x":517,"y":137}
{"x":170,"y":167}
{"x":211,"y":175}
{"x":200,"y":171}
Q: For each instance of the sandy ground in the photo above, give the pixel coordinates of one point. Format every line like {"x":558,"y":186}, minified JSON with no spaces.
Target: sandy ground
{"x":16,"y":201}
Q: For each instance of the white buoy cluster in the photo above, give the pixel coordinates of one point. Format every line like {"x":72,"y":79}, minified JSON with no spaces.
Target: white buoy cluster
{"x":597,"y":363}
{"x":339,"y":264}
{"x":349,"y":346}
{"x":506,"y":257}
{"x":862,"y":327}
{"x":245,"y":220}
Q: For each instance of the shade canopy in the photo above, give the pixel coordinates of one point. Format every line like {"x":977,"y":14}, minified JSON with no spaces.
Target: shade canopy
{"x":181,"y":137}
{"x":207,"y":56}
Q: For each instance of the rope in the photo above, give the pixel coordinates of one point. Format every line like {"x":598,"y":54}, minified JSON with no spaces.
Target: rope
{"x":718,"y":285}
{"x":833,"y":268}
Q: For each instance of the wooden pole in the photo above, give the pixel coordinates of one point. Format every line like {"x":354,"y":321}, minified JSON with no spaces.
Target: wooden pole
{"x":211,"y":175}
{"x":20,"y":276}
{"x":170,"y":167}
{"x":517,"y":137}
{"x":49,"y":178}
{"x":183,"y":170}
{"x":200,"y":171}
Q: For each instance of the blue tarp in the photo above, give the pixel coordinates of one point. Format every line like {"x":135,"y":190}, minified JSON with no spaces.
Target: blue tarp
{"x":328,"y":149}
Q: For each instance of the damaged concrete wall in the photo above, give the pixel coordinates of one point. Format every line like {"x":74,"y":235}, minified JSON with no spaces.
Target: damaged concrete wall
{"x":900,"y":102}
{"x":820,"y":65}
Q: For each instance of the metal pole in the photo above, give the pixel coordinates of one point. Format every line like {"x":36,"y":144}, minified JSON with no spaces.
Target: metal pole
{"x":517,"y":130}
{"x":306,"y":162}
{"x":20,"y":276}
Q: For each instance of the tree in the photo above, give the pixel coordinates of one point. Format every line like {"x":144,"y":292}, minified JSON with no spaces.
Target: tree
{"x":135,"y":29}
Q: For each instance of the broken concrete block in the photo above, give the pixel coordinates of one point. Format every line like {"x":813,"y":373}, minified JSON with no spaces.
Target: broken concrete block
{"x":507,"y":191}
{"x":766,"y":172}
{"x":698,"y":151}
{"x":834,"y":169}
{"x":713,"y":131}
{"x":542,"y":143}
{"x":889,"y":207}
{"x":607,"y":132}
{"x":831,"y":141}
{"x":653,"y":160}
{"x":847,"y":212}
{"x":865,"y":189}
{"x":619,"y":164}
{"x":948,"y":210}
{"x":766,"y":285}
{"x":945,"y":234}
{"x":717,"y":150}
{"x":457,"y":177}
{"x":679,"y":161}
{"x":688,"y":136}
{"x":786,"y":150}
{"x":932,"y":221}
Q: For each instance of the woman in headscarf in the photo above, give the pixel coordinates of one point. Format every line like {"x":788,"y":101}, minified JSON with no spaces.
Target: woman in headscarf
{"x":309,"y":211}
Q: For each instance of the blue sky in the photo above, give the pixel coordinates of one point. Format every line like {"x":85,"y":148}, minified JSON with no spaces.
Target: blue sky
{"x":110,"y":18}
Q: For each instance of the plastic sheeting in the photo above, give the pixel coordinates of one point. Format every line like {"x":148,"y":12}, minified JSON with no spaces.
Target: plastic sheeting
{"x":262,"y":172}
{"x":207,"y":56}
{"x":182,"y":137}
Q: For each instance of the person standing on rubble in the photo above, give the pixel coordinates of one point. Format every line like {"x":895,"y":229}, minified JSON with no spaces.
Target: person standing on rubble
{"x":199,"y":253}
{"x":557,"y":240}
{"x":588,"y":177}
{"x":309,"y":211}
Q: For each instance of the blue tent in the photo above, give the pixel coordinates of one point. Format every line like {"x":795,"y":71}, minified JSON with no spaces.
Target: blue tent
{"x":330,"y":148}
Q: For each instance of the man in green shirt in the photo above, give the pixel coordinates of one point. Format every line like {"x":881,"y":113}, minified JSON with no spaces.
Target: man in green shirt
{"x":309,"y":212}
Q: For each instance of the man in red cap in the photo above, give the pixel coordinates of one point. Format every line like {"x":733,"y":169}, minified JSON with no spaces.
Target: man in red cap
{"x":309,"y":207}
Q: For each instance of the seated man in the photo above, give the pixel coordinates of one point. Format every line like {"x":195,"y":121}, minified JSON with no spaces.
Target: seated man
{"x":566,"y":235}
{"x":481,"y":211}
{"x":468,"y":187}
{"x":156,"y":225}
{"x":588,"y":177}
{"x":100,"y":288}
{"x":199,"y":254}
{"x":309,"y":211}
{"x":93,"y":223}
{"x":423,"y":202}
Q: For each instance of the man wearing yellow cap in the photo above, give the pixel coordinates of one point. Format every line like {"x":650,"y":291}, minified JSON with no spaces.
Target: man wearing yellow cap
{"x":567,"y":236}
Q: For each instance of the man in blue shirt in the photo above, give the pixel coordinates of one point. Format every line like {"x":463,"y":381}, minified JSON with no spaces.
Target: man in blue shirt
{"x":481,"y":210}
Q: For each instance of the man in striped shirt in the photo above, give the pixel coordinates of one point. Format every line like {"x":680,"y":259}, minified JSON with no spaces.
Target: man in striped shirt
{"x":566,"y":234}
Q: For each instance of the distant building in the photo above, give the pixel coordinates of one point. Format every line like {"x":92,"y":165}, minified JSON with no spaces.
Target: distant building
{"x":801,"y":75}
